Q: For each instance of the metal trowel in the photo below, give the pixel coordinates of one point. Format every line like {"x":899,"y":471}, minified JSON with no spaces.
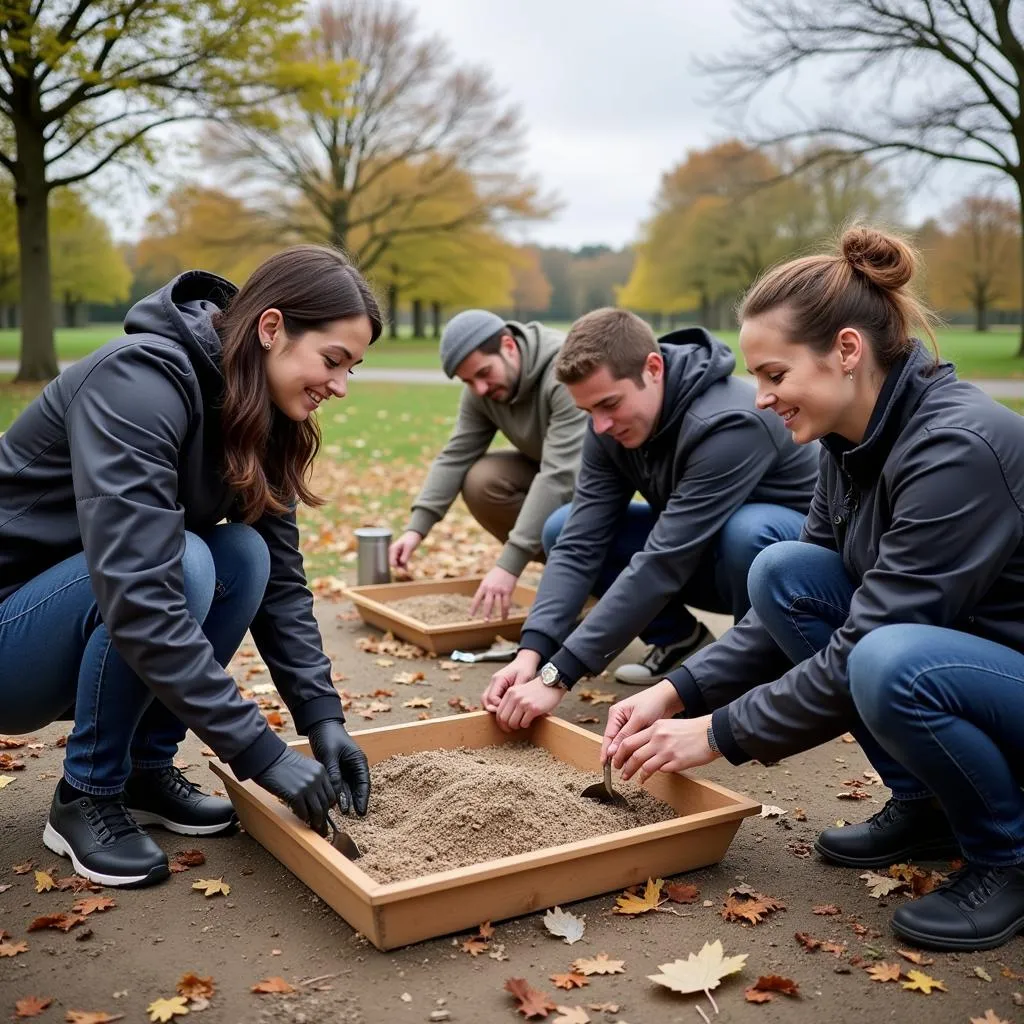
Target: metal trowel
{"x":603,"y":792}
{"x":341,"y":840}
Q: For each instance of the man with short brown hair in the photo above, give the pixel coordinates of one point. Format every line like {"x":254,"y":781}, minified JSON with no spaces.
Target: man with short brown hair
{"x":721,"y":480}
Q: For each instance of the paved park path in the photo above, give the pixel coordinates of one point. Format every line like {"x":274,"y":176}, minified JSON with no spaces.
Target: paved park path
{"x":1001,"y":388}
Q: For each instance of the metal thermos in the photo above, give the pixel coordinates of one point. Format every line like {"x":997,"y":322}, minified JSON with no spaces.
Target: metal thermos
{"x":372,"y":554}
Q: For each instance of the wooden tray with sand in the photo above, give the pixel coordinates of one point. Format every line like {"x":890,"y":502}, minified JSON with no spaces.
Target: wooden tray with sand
{"x":706,"y":817}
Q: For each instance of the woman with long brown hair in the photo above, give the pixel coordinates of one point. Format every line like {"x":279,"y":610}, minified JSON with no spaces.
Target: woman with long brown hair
{"x":123,"y":591}
{"x":897,"y":616}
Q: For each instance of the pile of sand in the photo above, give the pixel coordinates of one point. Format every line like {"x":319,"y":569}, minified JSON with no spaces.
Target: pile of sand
{"x":446,"y":609}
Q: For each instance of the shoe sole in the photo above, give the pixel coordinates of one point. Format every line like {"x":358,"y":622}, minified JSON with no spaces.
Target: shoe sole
{"x":55,"y":842}
{"x":150,"y":818}
{"x":938,"y":851}
{"x":651,"y":680}
{"x":958,"y":945}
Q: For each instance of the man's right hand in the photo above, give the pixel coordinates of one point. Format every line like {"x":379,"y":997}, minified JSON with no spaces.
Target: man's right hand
{"x":401,"y":551}
{"x":638,"y":712}
{"x":521,"y":670}
{"x":303,"y":784}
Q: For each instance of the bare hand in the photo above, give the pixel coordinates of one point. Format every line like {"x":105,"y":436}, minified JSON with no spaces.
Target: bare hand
{"x":521,"y":670}
{"x":638,"y":712}
{"x":524,"y":702}
{"x":401,"y":551}
{"x":670,"y":745}
{"x":495,"y":591}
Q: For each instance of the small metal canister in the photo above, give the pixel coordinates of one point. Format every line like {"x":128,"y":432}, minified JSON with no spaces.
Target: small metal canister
{"x":372,"y":554}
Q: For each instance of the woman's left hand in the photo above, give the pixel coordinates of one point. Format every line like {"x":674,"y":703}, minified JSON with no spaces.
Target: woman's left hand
{"x":669,"y":745}
{"x":345,"y":763}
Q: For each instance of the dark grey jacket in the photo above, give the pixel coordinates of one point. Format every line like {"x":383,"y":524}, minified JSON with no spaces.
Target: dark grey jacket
{"x":711,"y":452}
{"x":928,"y":515}
{"x":119,"y":456}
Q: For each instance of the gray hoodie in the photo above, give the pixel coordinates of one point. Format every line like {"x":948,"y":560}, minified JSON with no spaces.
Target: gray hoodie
{"x":541,"y":421}
{"x":712,"y":451}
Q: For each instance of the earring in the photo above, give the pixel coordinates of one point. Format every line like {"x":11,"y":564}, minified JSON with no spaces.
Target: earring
{"x":850,"y":374}
{"x":266,"y":345}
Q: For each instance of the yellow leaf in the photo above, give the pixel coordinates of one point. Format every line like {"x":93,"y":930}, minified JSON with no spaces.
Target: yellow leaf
{"x":6,"y":780}
{"x":627,"y":903}
{"x":921,"y":982}
{"x":164,"y":1009}
{"x":572,"y":1015}
{"x":599,"y":964}
{"x":991,"y":1017}
{"x":44,"y":883}
{"x":699,"y":972}
{"x":213,"y":886}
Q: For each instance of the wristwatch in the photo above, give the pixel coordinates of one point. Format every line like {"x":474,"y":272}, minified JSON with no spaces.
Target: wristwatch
{"x":550,"y":676}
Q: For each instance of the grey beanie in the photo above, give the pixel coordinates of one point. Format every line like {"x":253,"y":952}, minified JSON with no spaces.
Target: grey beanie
{"x":465,"y":333}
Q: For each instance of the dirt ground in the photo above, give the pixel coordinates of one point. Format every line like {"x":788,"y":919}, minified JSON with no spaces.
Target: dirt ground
{"x":271,"y":925}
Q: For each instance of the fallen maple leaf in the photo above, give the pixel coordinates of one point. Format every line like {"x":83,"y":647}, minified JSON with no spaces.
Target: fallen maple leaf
{"x":921,"y":982}
{"x":564,"y":925}
{"x":486,"y":930}
{"x":604,"y":1007}
{"x":572,"y":1015}
{"x":76,"y":884}
{"x":62,"y":922}
{"x":571,"y":980}
{"x":418,"y":702}
{"x":475,"y":945}
{"x":11,"y":742}
{"x":738,"y":908}
{"x":22,"y":869}
{"x":212,"y":886}
{"x":809,"y":943}
{"x":596,"y":697}
{"x":91,"y":1017}
{"x":31,"y":1006}
{"x":275,"y":721}
{"x":532,"y":1003}
{"x":777,"y":983}
{"x":13,"y":948}
{"x":755,"y":995}
{"x":44,"y":883}
{"x":191,"y":986}
{"x":826,"y":910}
{"x":679,"y":893}
{"x":699,"y":972}
{"x":408,"y":678}
{"x":5,"y":781}
{"x":990,"y":1018}
{"x":881,"y":885}
{"x":884,"y":972}
{"x":628,"y":903}
{"x":162,"y":1010}
{"x":90,"y":904}
{"x":273,"y":986}
{"x":915,"y":958}
{"x":599,"y":964}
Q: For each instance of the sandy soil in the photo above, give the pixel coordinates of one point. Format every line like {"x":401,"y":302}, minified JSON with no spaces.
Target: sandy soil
{"x":272,"y":925}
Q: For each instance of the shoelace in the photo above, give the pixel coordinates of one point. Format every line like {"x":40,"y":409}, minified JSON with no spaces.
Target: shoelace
{"x":973,"y":885}
{"x":887,"y":815}
{"x":176,"y":781}
{"x":113,"y":818}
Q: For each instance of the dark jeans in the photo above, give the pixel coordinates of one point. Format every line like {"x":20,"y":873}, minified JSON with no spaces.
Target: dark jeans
{"x":720,"y":582}
{"x":58,"y":658}
{"x":939,"y":710}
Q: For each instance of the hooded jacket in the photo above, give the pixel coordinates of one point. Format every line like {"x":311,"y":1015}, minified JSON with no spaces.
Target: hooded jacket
{"x":711,"y":452}
{"x":118,"y":457}
{"x":541,"y":421}
{"x":927,"y":513}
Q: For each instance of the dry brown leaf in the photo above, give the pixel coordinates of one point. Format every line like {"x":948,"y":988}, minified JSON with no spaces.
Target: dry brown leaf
{"x":190,"y":858}
{"x":162,"y":1010}
{"x":1007,"y":972}
{"x":486,"y":930}
{"x":191,"y":986}
{"x":91,"y":1017}
{"x":44,"y":883}
{"x":809,"y":943}
{"x":571,"y":1015}
{"x":679,"y":893}
{"x":273,"y":986}
{"x":564,"y":925}
{"x":475,"y":946}
{"x":62,"y":922}
{"x":10,"y":763}
{"x":990,"y":1017}
{"x":916,"y":958}
{"x":604,"y":1007}
{"x":629,"y":903}
{"x":827,"y":910}
{"x":743,"y":904}
{"x":884,"y":972}
{"x":212,"y":887}
{"x":90,"y":904}
{"x":571,"y":980}
{"x":76,"y":884}
{"x":22,"y":869}
{"x":699,"y":972}
{"x":31,"y":1006}
{"x":755,"y":995}
{"x":596,"y":696}
{"x":11,"y":742}
{"x":531,"y":1002}
{"x":13,"y":948}
{"x":418,"y":702}
{"x":777,"y":983}
{"x":881,"y":885}
{"x":408,"y":678}
{"x":921,"y":982}
{"x":599,"y":964}
{"x":275,"y":721}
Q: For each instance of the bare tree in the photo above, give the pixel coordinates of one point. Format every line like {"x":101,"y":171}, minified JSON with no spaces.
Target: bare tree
{"x":953,"y":71}
{"x":388,"y":161}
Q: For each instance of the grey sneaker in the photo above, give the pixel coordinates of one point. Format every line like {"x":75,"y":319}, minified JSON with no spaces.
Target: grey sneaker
{"x":659,"y":661}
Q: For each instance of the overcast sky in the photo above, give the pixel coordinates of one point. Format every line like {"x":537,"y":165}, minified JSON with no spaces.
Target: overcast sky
{"x":611,"y":97}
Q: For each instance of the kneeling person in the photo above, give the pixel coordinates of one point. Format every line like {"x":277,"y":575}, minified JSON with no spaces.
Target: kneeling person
{"x":721,"y":480}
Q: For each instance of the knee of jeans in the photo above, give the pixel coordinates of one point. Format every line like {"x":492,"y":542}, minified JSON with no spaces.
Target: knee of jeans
{"x":873,"y":669}
{"x":553,"y":527}
{"x":248,"y":553}
{"x":200,"y":575}
{"x":770,"y":573}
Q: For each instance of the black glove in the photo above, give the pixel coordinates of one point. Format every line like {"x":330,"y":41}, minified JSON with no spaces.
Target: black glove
{"x":302,"y":784}
{"x":345,"y":763}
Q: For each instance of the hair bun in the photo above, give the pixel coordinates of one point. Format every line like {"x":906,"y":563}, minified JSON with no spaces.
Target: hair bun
{"x":885,"y":260}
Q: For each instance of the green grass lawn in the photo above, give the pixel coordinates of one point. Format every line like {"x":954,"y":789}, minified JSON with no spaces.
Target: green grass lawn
{"x":992,"y":354}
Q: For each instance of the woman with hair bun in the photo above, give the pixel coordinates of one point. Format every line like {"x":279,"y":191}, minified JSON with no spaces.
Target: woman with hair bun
{"x":124,"y":593}
{"x":897,"y":616}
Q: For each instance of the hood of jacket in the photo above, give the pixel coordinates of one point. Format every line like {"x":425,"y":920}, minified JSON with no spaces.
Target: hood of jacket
{"x":537,"y":347}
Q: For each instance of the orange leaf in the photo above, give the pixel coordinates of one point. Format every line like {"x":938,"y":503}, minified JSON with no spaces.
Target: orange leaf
{"x":572,"y":980}
{"x":755,"y":995}
{"x":486,"y":930}
{"x":678,"y":893}
{"x":89,"y":904}
{"x":809,"y":943}
{"x":191,"y":986}
{"x":776,"y":983}
{"x":531,"y":1002}
{"x":741,"y":907}
{"x":599,"y":964}
{"x":76,"y":884}
{"x":22,"y":869}
{"x":190,"y":858}
{"x":915,"y":958}
{"x":475,"y":946}
{"x":884,"y":972}
{"x":827,"y":910}
{"x":13,"y":948}
{"x":273,"y":986}
{"x":991,"y":1017}
{"x":62,"y":922}
{"x":31,"y":1006}
{"x":91,"y":1017}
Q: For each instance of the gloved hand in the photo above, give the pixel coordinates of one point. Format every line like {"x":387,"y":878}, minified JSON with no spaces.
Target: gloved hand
{"x":345,"y":763}
{"x":303,"y":784}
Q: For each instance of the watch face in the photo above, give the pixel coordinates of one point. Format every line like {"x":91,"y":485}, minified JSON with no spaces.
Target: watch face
{"x":549,"y":675}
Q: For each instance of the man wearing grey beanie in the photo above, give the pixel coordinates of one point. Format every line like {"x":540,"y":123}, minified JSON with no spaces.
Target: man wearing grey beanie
{"x":509,"y":372}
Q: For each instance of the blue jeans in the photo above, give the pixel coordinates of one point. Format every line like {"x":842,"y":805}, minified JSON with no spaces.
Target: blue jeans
{"x":58,"y":657}
{"x":939,"y":710}
{"x":719,"y":583}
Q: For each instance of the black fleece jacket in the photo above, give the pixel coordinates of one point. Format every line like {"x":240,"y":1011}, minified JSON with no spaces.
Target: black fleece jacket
{"x":119,"y":456}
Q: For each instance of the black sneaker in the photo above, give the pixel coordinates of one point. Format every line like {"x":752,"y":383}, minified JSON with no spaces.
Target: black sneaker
{"x":902,"y":830}
{"x":104,"y":842}
{"x":659,"y":661}
{"x":978,"y":908}
{"x":163,"y":796}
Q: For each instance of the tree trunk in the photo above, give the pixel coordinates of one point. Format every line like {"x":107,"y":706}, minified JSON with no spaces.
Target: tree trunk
{"x":435,"y":315}
{"x":70,"y":310}
{"x":656,"y":321}
{"x":392,"y":310}
{"x":1020,"y":343}
{"x":980,"y":315}
{"x":31,"y":197}
{"x":417,"y":319}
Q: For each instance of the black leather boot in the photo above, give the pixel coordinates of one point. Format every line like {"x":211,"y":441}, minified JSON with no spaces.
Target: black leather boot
{"x":978,"y":908}
{"x":163,"y":796}
{"x":902,"y":830}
